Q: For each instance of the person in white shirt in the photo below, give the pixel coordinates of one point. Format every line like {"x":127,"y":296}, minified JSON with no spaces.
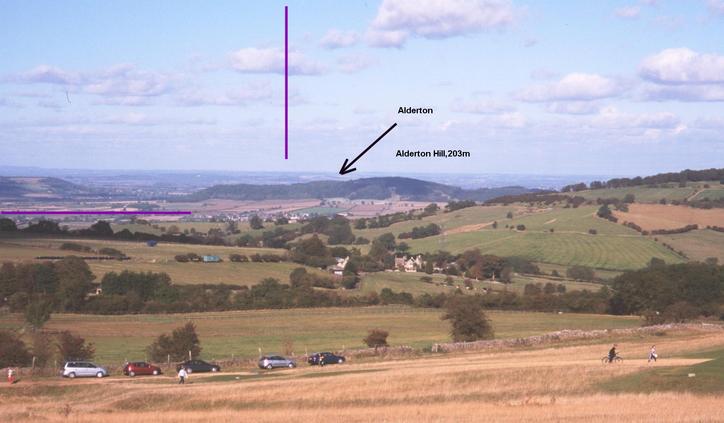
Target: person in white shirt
{"x":652,"y":354}
{"x":182,"y":375}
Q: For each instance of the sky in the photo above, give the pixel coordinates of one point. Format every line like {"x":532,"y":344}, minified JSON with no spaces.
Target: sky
{"x":534,"y":87}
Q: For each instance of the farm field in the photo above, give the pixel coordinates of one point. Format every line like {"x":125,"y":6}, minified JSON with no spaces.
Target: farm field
{"x":614,"y":247}
{"x":447,"y":221}
{"x":563,"y":383}
{"x":410,"y":282}
{"x":697,"y":245}
{"x":710,"y":193}
{"x":660,"y":216}
{"x":645,"y":194}
{"x":242,"y":333}
{"x":609,"y":252}
{"x":159,"y":259}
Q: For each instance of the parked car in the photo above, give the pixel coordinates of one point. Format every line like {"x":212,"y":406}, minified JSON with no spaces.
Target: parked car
{"x":272,"y":361}
{"x":324,"y":358}
{"x":73,"y":369}
{"x":198,"y":366}
{"x":138,"y":368}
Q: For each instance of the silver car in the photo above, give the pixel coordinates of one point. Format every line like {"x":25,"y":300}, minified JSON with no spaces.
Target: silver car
{"x":272,"y":361}
{"x":73,"y":369}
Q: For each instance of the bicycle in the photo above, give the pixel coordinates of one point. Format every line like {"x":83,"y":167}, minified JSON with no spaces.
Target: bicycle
{"x":616,"y":359}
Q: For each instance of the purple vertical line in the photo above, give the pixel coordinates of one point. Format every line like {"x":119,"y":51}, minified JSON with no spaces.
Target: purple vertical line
{"x":286,"y":83}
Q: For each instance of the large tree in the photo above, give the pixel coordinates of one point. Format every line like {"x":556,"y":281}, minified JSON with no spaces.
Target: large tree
{"x":75,"y":281}
{"x":467,"y":319}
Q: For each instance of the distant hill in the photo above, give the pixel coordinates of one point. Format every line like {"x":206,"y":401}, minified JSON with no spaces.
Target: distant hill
{"x":371,"y":188}
{"x":39,"y":188}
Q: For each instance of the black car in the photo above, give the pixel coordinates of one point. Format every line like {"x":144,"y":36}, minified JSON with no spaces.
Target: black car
{"x":198,"y":366}
{"x":325,"y":358}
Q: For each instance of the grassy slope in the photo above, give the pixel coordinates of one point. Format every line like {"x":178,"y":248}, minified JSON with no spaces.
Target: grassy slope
{"x":242,"y":332}
{"x":709,"y":377}
{"x":160,"y":259}
{"x":615,"y":247}
{"x":698,"y":245}
{"x":410,"y":282}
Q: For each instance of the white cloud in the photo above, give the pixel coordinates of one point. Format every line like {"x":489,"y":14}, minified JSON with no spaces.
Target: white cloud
{"x":271,"y":60}
{"x":386,"y":38}
{"x":335,"y":38}
{"x":683,"y":92}
{"x":356,"y":63}
{"x":396,"y":20}
{"x":574,"y":107}
{"x":628,"y":12}
{"x":118,"y":84}
{"x":683,"y":66}
{"x":575,"y":87}
{"x":46,"y":74}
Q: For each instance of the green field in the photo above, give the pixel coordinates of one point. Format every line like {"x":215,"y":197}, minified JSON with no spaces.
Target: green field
{"x":410,"y":282}
{"x":160,"y":259}
{"x":708,"y":377}
{"x":644,"y":194}
{"x":710,"y":193}
{"x":614,"y":248}
{"x":448,"y":221}
{"x":599,"y":251}
{"x":697,"y":245}
{"x":242,"y":333}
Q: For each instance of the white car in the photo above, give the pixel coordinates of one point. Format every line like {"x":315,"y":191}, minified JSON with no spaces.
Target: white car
{"x":74,"y":369}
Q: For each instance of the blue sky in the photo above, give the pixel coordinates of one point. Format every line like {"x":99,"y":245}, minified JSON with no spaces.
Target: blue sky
{"x":554,"y":87}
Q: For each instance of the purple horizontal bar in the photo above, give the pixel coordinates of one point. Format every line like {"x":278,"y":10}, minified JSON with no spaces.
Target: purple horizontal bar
{"x":67,"y":212}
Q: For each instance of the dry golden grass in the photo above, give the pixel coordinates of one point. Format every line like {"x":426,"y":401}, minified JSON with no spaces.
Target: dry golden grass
{"x":545,"y":385}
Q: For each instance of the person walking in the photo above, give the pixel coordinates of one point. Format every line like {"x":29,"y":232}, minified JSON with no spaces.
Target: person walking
{"x":182,"y":375}
{"x":11,"y":375}
{"x":652,"y":354}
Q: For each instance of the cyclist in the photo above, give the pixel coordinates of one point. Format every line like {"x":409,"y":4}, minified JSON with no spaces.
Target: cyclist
{"x":612,"y":353}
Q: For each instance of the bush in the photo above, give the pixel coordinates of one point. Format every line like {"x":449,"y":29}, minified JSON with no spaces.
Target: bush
{"x":581,"y":273}
{"x":176,"y":345}
{"x":468,"y":322}
{"x":72,"y":246}
{"x":112,"y":252}
{"x":13,"y":351}
{"x":376,"y":338}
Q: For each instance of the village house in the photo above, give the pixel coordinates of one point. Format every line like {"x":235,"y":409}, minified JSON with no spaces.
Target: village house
{"x":409,"y":264}
{"x":338,"y":268}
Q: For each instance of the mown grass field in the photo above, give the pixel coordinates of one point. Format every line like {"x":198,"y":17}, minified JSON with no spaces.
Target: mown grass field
{"x":546,"y":385}
{"x":159,"y":259}
{"x":242,"y":333}
{"x":614,"y":247}
{"x":599,"y":251}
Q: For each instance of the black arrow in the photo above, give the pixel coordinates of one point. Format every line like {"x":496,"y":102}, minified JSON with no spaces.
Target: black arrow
{"x":346,"y":167}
